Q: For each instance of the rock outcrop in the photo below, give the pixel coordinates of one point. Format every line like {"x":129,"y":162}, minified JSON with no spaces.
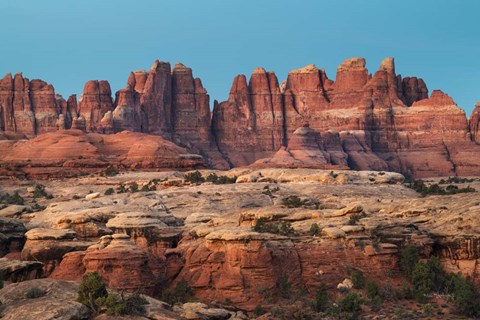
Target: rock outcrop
{"x":383,"y":122}
{"x":243,"y":242}
{"x":29,"y":107}
{"x":363,"y":121}
{"x":94,"y":103}
{"x":78,"y":152}
{"x":12,"y":235}
{"x":250,"y":124}
{"x":59,"y":300}
{"x":474,"y":123}
{"x":17,"y":271}
{"x":123,"y":265}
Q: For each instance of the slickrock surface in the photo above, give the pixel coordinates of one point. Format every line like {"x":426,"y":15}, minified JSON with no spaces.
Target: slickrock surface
{"x":164,"y":230}
{"x":60,"y":302}
{"x":362,"y":121}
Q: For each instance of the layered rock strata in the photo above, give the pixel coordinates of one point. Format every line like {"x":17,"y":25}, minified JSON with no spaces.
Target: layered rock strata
{"x":361,"y":121}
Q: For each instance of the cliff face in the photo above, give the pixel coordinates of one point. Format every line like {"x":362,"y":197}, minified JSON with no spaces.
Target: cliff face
{"x":362,"y":121}
{"x":380,"y":122}
{"x":28,"y":107}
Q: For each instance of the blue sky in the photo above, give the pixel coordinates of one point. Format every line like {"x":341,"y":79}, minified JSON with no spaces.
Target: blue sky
{"x":67,"y":42}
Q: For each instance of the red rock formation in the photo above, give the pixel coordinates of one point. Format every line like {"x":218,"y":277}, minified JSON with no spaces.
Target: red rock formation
{"x":433,"y":138}
{"x":307,"y":150}
{"x":250,"y":124}
{"x":242,"y":271}
{"x":75,"y":151}
{"x":379,"y":122}
{"x":157,"y":99}
{"x":191,"y":115}
{"x":413,"y":89}
{"x":94,"y":103}
{"x":122,"y":264}
{"x":22,"y":105}
{"x":474,"y":123}
{"x":28,"y":107}
{"x":377,"y":128}
{"x":128,"y":113}
{"x":7,"y":122}
{"x":172,"y":104}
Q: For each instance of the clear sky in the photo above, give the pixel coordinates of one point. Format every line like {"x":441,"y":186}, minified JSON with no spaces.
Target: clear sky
{"x":67,"y":42}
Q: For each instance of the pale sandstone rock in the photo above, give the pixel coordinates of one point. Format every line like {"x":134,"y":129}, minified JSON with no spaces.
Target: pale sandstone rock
{"x":92,"y":196}
{"x":196,"y":310}
{"x":50,"y":234}
{"x":353,"y":209}
{"x":333,"y":232}
{"x":13,"y":211}
{"x":352,"y":229}
{"x":346,"y":284}
{"x":60,"y":299}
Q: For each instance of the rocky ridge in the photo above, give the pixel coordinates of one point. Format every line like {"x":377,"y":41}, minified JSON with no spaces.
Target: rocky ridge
{"x":361,"y":121}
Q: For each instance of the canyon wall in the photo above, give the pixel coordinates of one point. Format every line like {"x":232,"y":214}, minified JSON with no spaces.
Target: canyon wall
{"x":359,"y":121}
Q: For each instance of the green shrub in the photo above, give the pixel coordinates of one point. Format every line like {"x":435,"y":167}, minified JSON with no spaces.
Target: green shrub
{"x":112,"y":303}
{"x":354,"y":218}
{"x":91,"y":288}
{"x":427,"y":309}
{"x":406,"y":291}
{"x":136,"y":305}
{"x":315,"y":230}
{"x":456,"y":180}
{"x":284,"y":286}
{"x":180,"y":294}
{"x":194,"y":177}
{"x":111,"y":171}
{"x":376,"y":304}
{"x":266,"y":293}
{"x":320,"y":303}
{"x":263,"y":225}
{"x":422,"y":283}
{"x":372,"y":289}
{"x":109,"y":191}
{"x":150,"y":186}
{"x":226,"y":180}
{"x":435,"y":189}
{"x":408,"y":260}
{"x":351,"y":303}
{"x":34,"y":293}
{"x":465,"y":296}
{"x":293,"y":202}
{"x":212,"y":177}
{"x":259,"y":310}
{"x":358,"y":279}
{"x":269,"y":192}
{"x":93,"y":293}
{"x":121,"y":188}
{"x":40,"y":192}
{"x":437,"y":275}
{"x":286,"y":229}
{"x":12,"y":199}
{"x":133,"y":187}
{"x":117,"y":305}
